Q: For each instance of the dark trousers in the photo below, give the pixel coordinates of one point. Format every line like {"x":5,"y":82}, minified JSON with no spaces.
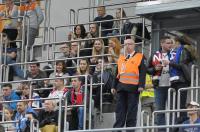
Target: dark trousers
{"x":183,"y":96}
{"x":126,"y":109}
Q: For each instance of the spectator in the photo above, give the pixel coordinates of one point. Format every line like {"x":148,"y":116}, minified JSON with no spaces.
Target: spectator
{"x":147,"y":98}
{"x":79,"y":33}
{"x":10,"y":25}
{"x":76,"y":97}
{"x":179,"y":73}
{"x":8,"y":114}
{"x":10,"y":59}
{"x":28,"y":93}
{"x":120,"y":13}
{"x":48,"y":117}
{"x":74,"y":53}
{"x":160,"y":77}
{"x":35,"y":16}
{"x":93,"y":33}
{"x":113,"y":49}
{"x":59,"y":89}
{"x":129,"y":81}
{"x":193,"y":118}
{"x":103,"y":72}
{"x":61,"y":71}
{"x":24,"y":115}
{"x":98,"y":49}
{"x":65,"y":50}
{"x":83,"y":68}
{"x":35,"y":73}
{"x":106,"y":27}
{"x":10,"y":95}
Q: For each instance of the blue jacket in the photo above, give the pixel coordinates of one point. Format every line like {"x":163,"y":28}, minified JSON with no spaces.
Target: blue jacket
{"x":23,"y":121}
{"x":11,"y":97}
{"x":190,"y":129}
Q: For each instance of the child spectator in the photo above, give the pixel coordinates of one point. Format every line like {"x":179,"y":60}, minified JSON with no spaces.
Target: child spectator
{"x":8,"y":114}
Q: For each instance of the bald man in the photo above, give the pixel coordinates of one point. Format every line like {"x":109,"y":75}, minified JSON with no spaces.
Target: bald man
{"x":129,"y":82}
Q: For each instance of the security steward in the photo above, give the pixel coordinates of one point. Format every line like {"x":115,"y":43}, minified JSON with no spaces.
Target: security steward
{"x":129,"y":82}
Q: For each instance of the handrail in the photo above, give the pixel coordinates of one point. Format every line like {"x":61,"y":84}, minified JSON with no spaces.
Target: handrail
{"x":179,"y":94}
{"x":173,"y":91}
{"x":32,"y":125}
{"x":142,"y":119}
{"x":137,"y":128}
{"x":193,"y":69}
{"x":53,"y":78}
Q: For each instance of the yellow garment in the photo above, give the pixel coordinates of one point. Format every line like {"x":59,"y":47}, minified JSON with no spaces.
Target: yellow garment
{"x":49,"y":128}
{"x":149,"y":91}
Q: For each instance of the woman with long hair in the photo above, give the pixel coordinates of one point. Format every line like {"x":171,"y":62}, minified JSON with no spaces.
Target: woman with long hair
{"x":83,"y":68}
{"x":98,"y":49}
{"x":114,"y":47}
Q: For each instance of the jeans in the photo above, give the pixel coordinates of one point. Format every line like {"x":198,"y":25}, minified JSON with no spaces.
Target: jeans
{"x":80,"y":117}
{"x":161,"y":95}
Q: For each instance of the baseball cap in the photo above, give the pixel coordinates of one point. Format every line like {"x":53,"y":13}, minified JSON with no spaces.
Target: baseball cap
{"x":193,"y":103}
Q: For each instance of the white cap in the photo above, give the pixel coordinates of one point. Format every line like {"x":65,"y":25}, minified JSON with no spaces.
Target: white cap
{"x":193,"y":103}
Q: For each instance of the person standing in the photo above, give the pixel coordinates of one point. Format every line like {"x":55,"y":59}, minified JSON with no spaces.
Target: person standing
{"x":129,"y":82}
{"x":160,"y":77}
{"x":35,"y":17}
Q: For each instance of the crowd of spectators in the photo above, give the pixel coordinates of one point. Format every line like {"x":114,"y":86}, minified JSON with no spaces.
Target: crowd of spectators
{"x":98,"y":57}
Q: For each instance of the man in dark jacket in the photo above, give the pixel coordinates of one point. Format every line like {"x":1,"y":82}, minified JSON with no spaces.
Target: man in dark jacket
{"x":129,"y":82}
{"x":102,"y":16}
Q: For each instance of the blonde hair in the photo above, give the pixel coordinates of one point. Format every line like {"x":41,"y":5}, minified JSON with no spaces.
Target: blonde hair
{"x":94,"y":52}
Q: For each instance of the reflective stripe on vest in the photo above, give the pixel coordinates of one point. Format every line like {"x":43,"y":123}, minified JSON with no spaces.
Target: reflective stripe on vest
{"x":128,"y":71}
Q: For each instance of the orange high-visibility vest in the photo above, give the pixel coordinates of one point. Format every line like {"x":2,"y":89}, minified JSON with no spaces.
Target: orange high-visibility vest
{"x":2,"y":8}
{"x":128,"y":70}
{"x":29,"y":7}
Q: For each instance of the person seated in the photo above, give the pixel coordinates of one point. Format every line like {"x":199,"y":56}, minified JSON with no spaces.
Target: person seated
{"x":8,"y":114}
{"x":61,"y":71}
{"x":106,"y":27}
{"x":83,"y":68}
{"x":79,"y":33}
{"x":65,"y":50}
{"x":48,"y":117}
{"x":98,"y":49}
{"x":10,"y":95}
{"x":26,"y":95}
{"x":114,"y":47}
{"x":24,"y":116}
{"x":76,"y":97}
{"x":34,"y":72}
{"x":59,"y":89}
{"x":10,"y":58}
{"x":193,"y":118}
{"x":93,"y":33}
